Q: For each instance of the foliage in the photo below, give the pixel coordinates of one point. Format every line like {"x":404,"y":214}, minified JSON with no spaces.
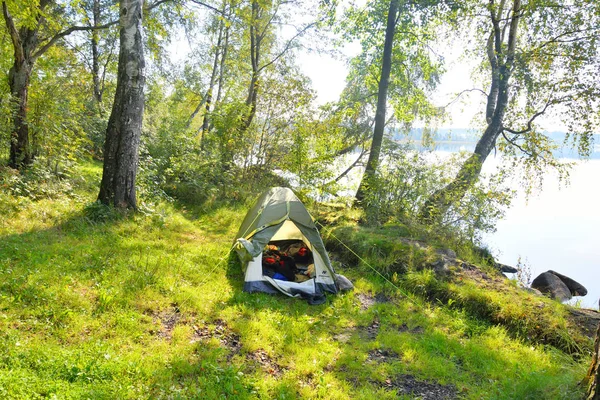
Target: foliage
{"x":407,"y":178}
{"x":415,"y":69}
{"x":44,"y":179}
{"x":60,"y":117}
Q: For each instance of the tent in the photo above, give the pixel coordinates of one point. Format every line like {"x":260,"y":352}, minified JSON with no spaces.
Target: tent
{"x":279,"y":215}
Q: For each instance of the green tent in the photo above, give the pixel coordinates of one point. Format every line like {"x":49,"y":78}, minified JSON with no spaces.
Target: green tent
{"x":279,"y":215}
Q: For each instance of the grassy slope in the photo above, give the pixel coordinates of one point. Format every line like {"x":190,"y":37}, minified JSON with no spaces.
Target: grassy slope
{"x":149,"y":307}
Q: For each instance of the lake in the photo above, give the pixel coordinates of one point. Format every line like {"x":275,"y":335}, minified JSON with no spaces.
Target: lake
{"x":559,"y":229}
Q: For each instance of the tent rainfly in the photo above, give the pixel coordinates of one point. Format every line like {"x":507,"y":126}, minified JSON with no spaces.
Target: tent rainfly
{"x":279,"y":215}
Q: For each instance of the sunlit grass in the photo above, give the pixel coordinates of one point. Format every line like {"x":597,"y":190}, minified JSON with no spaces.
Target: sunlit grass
{"x":96,"y":305}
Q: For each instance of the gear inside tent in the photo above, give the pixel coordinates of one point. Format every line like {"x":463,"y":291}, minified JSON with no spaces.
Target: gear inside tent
{"x":281,"y":249}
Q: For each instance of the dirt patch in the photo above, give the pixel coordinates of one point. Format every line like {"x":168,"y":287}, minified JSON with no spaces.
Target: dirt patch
{"x":227,"y":338}
{"x":266,"y":362}
{"x":417,"y":330}
{"x":371,"y":331}
{"x":168,"y":319}
{"x":382,"y":298}
{"x":408,"y":385}
{"x":344,"y":337}
{"x":382,"y":356}
{"x":367,"y":300}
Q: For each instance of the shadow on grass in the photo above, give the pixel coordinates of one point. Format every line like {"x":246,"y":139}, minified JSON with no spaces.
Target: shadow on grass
{"x":85,"y":247}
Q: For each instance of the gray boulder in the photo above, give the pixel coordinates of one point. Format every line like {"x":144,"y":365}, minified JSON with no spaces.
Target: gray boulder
{"x":506,"y":268}
{"x":548,"y":283}
{"x":576,"y":288}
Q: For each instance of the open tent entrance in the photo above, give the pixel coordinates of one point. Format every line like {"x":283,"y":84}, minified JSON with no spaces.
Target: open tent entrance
{"x":276,"y":221}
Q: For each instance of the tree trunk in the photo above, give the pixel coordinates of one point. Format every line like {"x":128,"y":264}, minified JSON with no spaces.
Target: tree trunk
{"x":24,"y":41}
{"x":125,"y":123}
{"x":20,"y":151}
{"x":255,"y":43}
{"x":251,"y":102}
{"x":437,"y":205}
{"x":207,"y":98}
{"x":593,"y":375}
{"x":222,"y":67}
{"x":501,"y":58}
{"x":386,"y":67}
{"x":213,"y":78}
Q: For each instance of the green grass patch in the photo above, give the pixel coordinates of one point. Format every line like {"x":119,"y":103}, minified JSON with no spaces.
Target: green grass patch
{"x":96,"y":304}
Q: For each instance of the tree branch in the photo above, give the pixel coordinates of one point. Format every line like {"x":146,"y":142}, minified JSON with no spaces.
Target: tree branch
{"x":512,"y":33}
{"x":463,"y":92}
{"x":516,"y":145}
{"x":264,"y":31}
{"x":557,"y":39}
{"x":347,"y":171}
{"x":350,"y":147}
{"x":156,"y":4}
{"x":200,"y":3}
{"x":196,"y":111}
{"x":536,"y":115}
{"x":288,"y":45}
{"x":67,"y":32}
{"x":14,"y":34}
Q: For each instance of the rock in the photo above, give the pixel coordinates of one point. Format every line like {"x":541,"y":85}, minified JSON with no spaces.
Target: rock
{"x":548,"y":283}
{"x":506,"y":268}
{"x":576,"y":288}
{"x":343,"y":283}
{"x":587,"y":320}
{"x":446,"y":252}
{"x":534,"y":291}
{"x":443,"y":264}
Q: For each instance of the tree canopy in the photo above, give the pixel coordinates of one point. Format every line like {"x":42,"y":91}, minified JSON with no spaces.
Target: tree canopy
{"x":236,"y":107}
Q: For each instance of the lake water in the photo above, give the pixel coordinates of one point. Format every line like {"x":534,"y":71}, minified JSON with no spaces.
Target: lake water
{"x":559,"y":229}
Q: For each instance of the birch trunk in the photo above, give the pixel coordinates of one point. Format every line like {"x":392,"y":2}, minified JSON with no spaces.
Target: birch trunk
{"x":501,"y":57}
{"x":125,"y":123}
{"x":24,"y":42}
{"x":20,"y":151}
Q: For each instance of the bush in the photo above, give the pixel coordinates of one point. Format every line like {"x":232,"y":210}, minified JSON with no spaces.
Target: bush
{"x":406,"y":179}
{"x":40,"y":180}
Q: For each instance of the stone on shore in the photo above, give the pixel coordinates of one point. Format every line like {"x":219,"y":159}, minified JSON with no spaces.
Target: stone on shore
{"x":548,"y":283}
{"x":576,"y":288}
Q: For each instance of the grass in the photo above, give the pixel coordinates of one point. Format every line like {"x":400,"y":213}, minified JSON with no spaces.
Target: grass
{"x":481,"y":292}
{"x":100,"y":305}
